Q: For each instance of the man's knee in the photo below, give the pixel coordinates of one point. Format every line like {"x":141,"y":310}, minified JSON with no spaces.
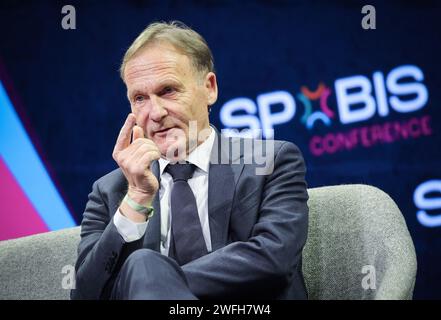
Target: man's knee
{"x":150,"y":275}
{"x":143,"y":255}
{"x":150,"y":260}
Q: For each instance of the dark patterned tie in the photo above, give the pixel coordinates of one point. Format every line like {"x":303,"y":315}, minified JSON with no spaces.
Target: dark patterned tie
{"x":187,"y":241}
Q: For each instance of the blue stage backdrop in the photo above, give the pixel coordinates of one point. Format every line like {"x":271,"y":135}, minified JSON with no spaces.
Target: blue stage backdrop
{"x":364,"y":106}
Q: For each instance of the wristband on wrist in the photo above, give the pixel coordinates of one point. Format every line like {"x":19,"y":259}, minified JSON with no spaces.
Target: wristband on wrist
{"x":145,"y":210}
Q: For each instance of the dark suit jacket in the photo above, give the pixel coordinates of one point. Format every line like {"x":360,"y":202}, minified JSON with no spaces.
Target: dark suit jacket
{"x":258,"y":226}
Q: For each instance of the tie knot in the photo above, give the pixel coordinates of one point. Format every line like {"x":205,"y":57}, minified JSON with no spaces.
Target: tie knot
{"x":180,"y":171}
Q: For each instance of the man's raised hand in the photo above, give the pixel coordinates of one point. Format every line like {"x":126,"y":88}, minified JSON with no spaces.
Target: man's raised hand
{"x":135,"y":159}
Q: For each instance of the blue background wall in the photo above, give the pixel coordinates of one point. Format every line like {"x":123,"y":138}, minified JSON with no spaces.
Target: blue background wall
{"x":65,"y":86}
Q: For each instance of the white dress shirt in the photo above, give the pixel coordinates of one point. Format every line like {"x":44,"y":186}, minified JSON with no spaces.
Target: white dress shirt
{"x":200,"y":157}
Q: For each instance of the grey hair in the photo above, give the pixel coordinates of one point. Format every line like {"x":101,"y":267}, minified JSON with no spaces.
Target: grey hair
{"x":182,"y":37}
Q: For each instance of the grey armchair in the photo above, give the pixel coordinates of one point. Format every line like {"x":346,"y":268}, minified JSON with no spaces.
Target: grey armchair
{"x":358,"y":247}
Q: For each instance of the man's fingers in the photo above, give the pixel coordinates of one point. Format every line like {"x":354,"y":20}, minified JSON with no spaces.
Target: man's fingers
{"x":123,"y":140}
{"x":148,"y":157}
{"x":138,"y":148}
{"x":137,"y":133}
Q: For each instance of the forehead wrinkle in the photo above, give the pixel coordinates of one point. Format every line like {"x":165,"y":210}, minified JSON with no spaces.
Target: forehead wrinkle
{"x":152,"y":86}
{"x":143,"y":69}
{"x":142,"y":75}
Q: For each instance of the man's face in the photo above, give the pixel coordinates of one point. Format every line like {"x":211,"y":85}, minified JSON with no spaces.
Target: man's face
{"x":166,"y":93}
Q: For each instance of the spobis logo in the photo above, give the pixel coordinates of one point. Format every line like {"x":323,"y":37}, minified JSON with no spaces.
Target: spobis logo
{"x":358,"y":99}
{"x":427,"y":196}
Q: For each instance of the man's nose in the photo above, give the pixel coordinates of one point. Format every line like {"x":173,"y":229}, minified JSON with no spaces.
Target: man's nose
{"x":157,"y":111}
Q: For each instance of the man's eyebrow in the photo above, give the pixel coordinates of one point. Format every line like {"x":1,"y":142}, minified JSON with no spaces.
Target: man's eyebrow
{"x":133,"y":93}
{"x":158,"y":86}
{"x":168,"y":82}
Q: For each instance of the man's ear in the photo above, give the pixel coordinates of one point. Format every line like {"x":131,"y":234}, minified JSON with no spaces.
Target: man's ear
{"x":211,"y":87}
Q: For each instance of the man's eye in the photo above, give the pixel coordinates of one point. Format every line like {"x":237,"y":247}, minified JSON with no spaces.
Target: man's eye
{"x":139,"y":99}
{"x":168,"y":90}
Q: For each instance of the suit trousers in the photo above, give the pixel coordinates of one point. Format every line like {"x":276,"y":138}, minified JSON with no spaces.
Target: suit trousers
{"x":149,"y":275}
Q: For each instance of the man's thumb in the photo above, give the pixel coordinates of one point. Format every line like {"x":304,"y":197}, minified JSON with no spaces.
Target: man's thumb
{"x":137,"y":133}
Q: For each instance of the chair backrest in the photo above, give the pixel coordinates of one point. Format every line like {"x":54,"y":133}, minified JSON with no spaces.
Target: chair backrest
{"x":358,"y":246}
{"x":38,"y":266}
{"x":350,"y":227}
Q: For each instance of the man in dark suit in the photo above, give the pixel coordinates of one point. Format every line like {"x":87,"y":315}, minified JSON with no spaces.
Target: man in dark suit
{"x":190,"y":213}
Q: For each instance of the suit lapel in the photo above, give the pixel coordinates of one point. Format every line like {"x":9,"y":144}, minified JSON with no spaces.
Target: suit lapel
{"x":153,"y":233}
{"x":222,"y":179}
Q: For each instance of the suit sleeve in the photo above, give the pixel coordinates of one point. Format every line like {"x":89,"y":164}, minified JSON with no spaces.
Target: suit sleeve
{"x":265,"y":262}
{"x":101,"y":251}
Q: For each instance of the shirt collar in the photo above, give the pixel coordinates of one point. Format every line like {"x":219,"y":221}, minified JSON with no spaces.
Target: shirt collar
{"x":200,"y":156}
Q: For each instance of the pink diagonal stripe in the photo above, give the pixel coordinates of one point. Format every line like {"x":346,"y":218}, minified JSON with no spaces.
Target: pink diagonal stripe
{"x":18,"y":218}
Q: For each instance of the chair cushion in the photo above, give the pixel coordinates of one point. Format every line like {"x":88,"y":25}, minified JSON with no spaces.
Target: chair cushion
{"x":357,"y":231}
{"x":31,"y":267}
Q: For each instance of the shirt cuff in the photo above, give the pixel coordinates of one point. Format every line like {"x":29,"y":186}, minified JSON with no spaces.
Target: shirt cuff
{"x":129,"y":230}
